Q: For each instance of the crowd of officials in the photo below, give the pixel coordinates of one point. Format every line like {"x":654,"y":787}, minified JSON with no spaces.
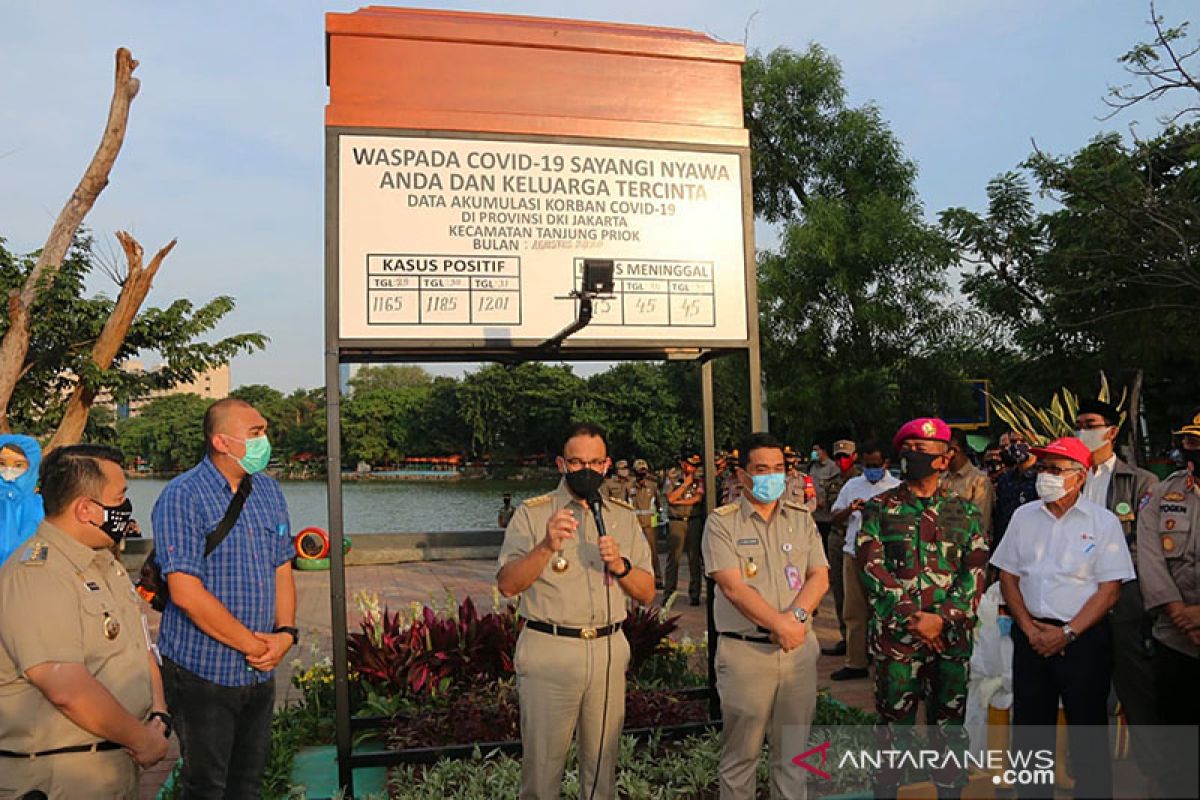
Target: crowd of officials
{"x":1098,"y":563}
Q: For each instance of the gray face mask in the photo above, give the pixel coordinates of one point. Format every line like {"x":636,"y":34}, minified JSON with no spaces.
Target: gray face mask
{"x":10,"y":474}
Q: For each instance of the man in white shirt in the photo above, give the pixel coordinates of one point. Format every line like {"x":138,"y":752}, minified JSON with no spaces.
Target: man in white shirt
{"x":1062,"y":561}
{"x":847,"y":510}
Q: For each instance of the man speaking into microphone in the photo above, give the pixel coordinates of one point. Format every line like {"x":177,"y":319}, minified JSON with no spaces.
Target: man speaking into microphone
{"x":574,"y":558}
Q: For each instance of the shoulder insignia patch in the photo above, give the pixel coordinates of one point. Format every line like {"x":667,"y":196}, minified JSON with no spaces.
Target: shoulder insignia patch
{"x":725,"y":510}
{"x":540,"y":500}
{"x":35,"y":554}
{"x":792,"y":504}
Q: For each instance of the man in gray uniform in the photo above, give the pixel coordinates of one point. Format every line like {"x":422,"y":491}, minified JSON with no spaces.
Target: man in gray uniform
{"x":571,"y":656}
{"x":1168,"y":546}
{"x":767,"y":560}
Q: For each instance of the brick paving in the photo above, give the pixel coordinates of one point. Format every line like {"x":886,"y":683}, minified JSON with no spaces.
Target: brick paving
{"x":400,"y":585}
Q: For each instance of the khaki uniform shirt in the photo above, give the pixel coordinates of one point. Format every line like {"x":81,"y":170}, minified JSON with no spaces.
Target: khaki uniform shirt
{"x":619,"y":488}
{"x":782,"y":552}
{"x":1168,"y":545}
{"x":645,"y":500}
{"x":574,"y":597}
{"x":970,"y":484}
{"x":822,"y":473}
{"x":62,"y":601}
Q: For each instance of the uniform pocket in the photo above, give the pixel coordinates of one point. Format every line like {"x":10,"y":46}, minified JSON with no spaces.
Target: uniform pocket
{"x":752,"y":559}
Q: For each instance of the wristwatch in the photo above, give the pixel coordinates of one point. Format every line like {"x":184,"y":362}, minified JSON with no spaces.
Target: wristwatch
{"x":1070,"y":633}
{"x":166,"y":721}
{"x":288,"y":629}
{"x":801,"y":614}
{"x":628,"y":569}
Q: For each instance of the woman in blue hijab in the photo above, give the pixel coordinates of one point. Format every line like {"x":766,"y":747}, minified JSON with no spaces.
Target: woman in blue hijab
{"x":20,"y":458}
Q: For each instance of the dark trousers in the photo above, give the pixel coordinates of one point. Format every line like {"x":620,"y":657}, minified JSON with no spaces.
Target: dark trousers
{"x":224,"y":734}
{"x":1080,"y":677}
{"x":1176,"y":677}
{"x":1133,"y":675}
{"x":685,"y":535}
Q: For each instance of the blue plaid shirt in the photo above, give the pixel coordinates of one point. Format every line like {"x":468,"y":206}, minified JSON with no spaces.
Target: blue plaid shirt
{"x":240,"y":572}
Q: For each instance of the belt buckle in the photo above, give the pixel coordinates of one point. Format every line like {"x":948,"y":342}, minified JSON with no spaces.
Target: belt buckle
{"x":587,"y":633}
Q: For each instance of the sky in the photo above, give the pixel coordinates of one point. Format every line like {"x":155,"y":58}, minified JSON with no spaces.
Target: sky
{"x":225,"y":141}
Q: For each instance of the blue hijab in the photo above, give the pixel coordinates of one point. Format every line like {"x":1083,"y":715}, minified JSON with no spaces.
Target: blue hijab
{"x":22,"y":505}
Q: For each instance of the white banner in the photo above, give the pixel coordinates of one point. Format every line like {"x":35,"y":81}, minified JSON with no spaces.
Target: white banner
{"x":468,"y":239}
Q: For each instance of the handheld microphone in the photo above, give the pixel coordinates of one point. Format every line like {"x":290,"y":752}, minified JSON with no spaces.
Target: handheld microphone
{"x":594,"y":504}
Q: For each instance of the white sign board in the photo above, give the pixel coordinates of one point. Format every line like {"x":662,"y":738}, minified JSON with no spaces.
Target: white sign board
{"x":469,"y":239}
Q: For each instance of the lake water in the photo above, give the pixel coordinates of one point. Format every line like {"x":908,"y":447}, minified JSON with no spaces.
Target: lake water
{"x":380,"y":506}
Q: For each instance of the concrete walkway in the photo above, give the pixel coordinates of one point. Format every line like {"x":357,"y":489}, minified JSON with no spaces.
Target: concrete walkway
{"x":400,"y":585}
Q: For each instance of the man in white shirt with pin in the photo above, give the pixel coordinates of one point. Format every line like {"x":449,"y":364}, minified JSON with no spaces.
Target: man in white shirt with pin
{"x":1062,"y":561}
{"x":847,"y":509}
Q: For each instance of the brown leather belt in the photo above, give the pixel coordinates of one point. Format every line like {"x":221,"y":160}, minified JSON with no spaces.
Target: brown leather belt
{"x":79,"y":748}
{"x":573,"y":633}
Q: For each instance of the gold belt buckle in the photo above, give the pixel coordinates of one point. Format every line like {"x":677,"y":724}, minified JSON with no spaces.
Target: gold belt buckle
{"x":587,"y":633}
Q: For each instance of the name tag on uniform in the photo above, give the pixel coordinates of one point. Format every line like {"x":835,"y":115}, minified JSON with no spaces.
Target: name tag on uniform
{"x":744,"y":542}
{"x":794,"y":579}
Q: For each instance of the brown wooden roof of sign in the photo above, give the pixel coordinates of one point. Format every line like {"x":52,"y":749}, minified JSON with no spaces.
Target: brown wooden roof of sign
{"x":492,"y":73}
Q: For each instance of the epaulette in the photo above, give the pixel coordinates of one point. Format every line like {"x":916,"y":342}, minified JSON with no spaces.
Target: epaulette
{"x":622,"y":503}
{"x":725,"y":510}
{"x":797,"y":506}
{"x":540,"y":500}
{"x":36,"y":553}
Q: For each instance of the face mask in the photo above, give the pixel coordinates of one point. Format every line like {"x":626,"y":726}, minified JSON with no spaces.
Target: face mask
{"x":768,"y":488}
{"x":874,"y":474}
{"x":258,"y":454}
{"x":1093,"y":438}
{"x":624,"y":473}
{"x":1051,"y":487}
{"x":1015,"y":453}
{"x":584,"y":482}
{"x":116,"y":519}
{"x":845,"y":462}
{"x":10,"y":474}
{"x":814,"y":456}
{"x":917,"y":466}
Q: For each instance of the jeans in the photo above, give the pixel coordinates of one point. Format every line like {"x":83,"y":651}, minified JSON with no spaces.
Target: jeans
{"x":224,"y":734}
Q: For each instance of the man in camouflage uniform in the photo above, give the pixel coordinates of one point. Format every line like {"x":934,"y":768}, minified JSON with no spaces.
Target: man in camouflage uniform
{"x":922,"y":554}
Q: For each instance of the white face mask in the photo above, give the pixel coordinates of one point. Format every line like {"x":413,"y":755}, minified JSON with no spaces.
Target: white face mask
{"x":1093,"y":438}
{"x":1051,"y":487}
{"x":10,"y":474}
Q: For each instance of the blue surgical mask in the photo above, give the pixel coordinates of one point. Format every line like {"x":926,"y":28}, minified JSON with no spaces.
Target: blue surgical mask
{"x":874,"y":474}
{"x":768,"y":488}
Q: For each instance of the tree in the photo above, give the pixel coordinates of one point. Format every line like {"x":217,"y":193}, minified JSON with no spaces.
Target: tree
{"x":519,"y":409}
{"x":858,"y":328}
{"x":1159,"y":67}
{"x":168,"y":433}
{"x":638,"y":410}
{"x":22,"y":301}
{"x":60,"y":371}
{"x":389,"y":376}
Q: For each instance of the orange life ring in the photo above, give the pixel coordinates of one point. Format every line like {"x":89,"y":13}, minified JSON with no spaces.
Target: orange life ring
{"x":312,"y":544}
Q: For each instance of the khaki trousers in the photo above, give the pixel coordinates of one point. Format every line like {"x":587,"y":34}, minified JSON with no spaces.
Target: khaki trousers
{"x":106,"y":775}
{"x":837,"y":538}
{"x":560,"y":683}
{"x":651,"y":534}
{"x":856,"y":613}
{"x":765,"y":692}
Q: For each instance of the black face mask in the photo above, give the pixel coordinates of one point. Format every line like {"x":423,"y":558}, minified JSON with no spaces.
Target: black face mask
{"x":917,"y":466}
{"x":116,"y":519}
{"x":584,"y":483}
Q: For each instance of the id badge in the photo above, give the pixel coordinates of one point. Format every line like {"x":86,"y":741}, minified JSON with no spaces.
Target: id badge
{"x":794,"y":579}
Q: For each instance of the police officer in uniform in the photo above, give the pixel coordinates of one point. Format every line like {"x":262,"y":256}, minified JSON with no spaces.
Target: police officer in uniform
{"x":571,"y":655}
{"x":1168,"y":546}
{"x":922,"y":556}
{"x":621,"y":485}
{"x":845,"y":455}
{"x":81,"y":700}
{"x":685,"y":498}
{"x":766,"y":558}
{"x":646,"y":505}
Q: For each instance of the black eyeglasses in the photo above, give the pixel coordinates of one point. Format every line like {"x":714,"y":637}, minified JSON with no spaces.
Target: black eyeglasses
{"x":1050,"y":469}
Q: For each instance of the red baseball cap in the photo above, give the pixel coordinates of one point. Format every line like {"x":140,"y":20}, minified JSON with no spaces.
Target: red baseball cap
{"x":1066,"y":447}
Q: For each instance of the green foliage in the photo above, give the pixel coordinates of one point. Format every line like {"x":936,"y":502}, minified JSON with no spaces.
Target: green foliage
{"x":857,"y":325}
{"x":519,"y":409}
{"x":168,"y":432}
{"x":389,"y":376}
{"x":65,"y":325}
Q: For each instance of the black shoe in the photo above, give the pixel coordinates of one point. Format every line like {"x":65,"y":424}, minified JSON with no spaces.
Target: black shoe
{"x":695,"y":601}
{"x":849,"y":674}
{"x":838,"y":649}
{"x":658,"y":585}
